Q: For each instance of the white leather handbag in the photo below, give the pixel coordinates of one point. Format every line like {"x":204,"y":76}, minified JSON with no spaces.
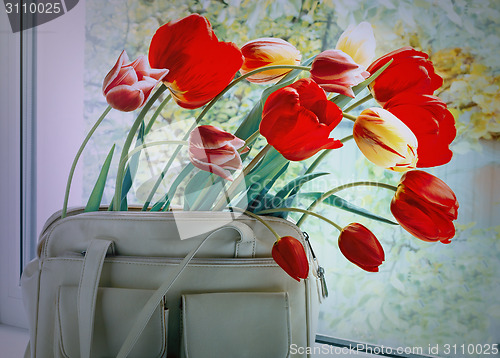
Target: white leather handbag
{"x":176,"y":284}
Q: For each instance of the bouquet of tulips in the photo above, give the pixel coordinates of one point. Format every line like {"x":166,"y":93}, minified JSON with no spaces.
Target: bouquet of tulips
{"x":302,"y":104}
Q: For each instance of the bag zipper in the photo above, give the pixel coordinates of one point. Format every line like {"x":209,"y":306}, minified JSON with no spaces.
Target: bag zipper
{"x":320,"y":271}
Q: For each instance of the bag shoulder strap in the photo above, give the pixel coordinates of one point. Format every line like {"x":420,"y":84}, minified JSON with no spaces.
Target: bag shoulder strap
{"x":87,"y":292}
{"x":89,"y":283}
{"x":153,"y":302}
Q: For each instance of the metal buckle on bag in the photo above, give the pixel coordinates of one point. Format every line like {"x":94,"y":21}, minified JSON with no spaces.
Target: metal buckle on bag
{"x":320,"y":271}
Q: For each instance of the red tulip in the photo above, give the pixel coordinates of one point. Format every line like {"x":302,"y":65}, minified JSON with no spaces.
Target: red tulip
{"x":361,"y":247}
{"x":336,"y":71}
{"x":290,"y":255}
{"x":430,"y":121}
{"x":128,"y":85}
{"x":425,"y":207}
{"x":268,"y":52}
{"x":200,"y":66}
{"x":214,"y":150}
{"x":410,"y":72}
{"x":297,"y":120}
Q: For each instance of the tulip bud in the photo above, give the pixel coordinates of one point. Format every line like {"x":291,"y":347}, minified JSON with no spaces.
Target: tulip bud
{"x":385,"y":140}
{"x":359,"y":43}
{"x":361,"y":247}
{"x":425,"y":207}
{"x":128,"y":86}
{"x":335,"y":71}
{"x":214,"y":150}
{"x":290,"y":255}
{"x":268,"y":51}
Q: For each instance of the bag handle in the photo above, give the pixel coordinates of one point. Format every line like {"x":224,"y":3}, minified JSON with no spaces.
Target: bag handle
{"x":89,"y":283}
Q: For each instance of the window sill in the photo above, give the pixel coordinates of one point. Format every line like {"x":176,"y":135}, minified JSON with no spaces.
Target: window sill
{"x":13,"y":341}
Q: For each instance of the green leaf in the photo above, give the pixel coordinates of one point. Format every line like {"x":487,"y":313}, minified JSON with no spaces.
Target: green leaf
{"x":340,"y":203}
{"x":96,"y":195}
{"x":294,"y":186}
{"x":251,"y":123}
{"x":164,"y":202}
{"x":133,"y":164}
{"x":269,"y":201}
{"x":194,"y":188}
{"x":266,"y":188}
{"x":342,"y":100}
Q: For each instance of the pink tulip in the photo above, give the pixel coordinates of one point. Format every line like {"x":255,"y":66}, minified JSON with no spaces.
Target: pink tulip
{"x":128,"y":86}
{"x":336,"y":71}
{"x":215,"y":151}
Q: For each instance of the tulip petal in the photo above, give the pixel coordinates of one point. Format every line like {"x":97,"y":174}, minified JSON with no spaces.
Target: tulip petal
{"x":433,"y":125}
{"x":290,"y":255}
{"x":361,"y":247}
{"x":410,"y":72}
{"x":268,"y":52}
{"x":433,"y":190}
{"x":125,"y":98}
{"x":199,"y":65}
{"x":113,"y":73}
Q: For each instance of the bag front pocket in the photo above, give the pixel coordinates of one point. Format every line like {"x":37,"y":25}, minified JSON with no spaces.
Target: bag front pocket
{"x":236,"y":324}
{"x":115,"y":313}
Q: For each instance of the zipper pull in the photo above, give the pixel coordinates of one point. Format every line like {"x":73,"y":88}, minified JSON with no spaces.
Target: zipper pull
{"x":320,"y":271}
{"x":324,"y":287}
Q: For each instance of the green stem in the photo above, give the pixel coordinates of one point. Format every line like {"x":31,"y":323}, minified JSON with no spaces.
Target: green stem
{"x":77,"y":157}
{"x":251,"y":139}
{"x":368,"y":97}
{"x":257,"y":217}
{"x":157,"y":113}
{"x":152,"y":144}
{"x":204,"y":112}
{"x":349,"y":116}
{"x":126,"y":146}
{"x":220,"y":203}
{"x":324,"y":154}
{"x":305,"y":212}
{"x":342,"y":187}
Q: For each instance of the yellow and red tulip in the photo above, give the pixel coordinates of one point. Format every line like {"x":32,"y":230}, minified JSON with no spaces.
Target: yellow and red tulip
{"x":297,"y":120}
{"x":425,"y":207}
{"x":128,"y":85}
{"x":290,"y":255}
{"x":385,"y":140}
{"x":360,"y":246}
{"x":359,"y":43}
{"x":214,"y":150}
{"x":200,"y":66}
{"x":268,"y":51}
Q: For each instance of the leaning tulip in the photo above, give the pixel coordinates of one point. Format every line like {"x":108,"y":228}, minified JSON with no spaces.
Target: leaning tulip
{"x":297,"y":120}
{"x":290,"y":255}
{"x":385,"y":140}
{"x":128,"y":85}
{"x":410,"y":72}
{"x":268,"y":51}
{"x":200,"y":66}
{"x":361,"y":247}
{"x":359,"y":43}
{"x":335,"y":71}
{"x":430,"y":121}
{"x":425,"y":207}
{"x":214,"y":150}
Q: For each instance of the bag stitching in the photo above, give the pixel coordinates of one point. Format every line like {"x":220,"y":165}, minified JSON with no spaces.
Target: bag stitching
{"x":56,"y":224}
